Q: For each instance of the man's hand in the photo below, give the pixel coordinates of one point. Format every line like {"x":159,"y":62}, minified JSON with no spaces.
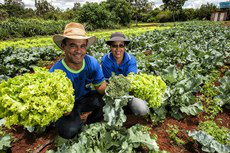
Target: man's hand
{"x":67,"y":114}
{"x":101,"y":89}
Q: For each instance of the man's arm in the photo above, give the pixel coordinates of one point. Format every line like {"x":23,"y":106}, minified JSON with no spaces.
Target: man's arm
{"x":101,"y":88}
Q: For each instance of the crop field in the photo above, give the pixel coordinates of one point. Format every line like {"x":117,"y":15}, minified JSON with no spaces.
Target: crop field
{"x":183,"y":74}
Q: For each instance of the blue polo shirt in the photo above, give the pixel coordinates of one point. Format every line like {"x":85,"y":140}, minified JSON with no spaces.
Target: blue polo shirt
{"x":110,"y":65}
{"x":90,"y":73}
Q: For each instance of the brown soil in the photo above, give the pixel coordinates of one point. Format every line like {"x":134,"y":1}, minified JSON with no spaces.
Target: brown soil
{"x":226,"y":23}
{"x":25,"y":141}
{"x":31,"y":142}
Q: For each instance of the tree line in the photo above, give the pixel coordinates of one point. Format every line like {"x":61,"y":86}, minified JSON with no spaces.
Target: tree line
{"x":109,"y":13}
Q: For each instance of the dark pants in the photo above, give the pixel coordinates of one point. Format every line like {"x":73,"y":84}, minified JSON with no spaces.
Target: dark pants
{"x":69,"y":126}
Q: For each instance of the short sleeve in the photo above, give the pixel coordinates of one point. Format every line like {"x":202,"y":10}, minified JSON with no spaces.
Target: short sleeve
{"x":132,"y":67}
{"x":98,"y":75}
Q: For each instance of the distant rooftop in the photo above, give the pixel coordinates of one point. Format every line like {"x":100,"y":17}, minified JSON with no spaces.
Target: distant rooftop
{"x":224,"y":5}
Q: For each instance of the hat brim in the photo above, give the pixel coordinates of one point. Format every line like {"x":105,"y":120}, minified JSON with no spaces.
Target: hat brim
{"x":59,"y":38}
{"x":126,"y":41}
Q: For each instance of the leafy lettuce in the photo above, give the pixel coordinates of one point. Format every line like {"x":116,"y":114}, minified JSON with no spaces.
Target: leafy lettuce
{"x":148,"y":87}
{"x":35,"y":99}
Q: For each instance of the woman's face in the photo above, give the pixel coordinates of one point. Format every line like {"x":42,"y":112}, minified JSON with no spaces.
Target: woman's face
{"x":118,"y":49}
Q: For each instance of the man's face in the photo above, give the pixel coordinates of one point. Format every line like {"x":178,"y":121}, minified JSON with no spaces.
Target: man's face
{"x":118,"y":49}
{"x":75,"y":50}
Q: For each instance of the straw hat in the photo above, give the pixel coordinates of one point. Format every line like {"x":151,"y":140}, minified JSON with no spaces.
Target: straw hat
{"x":117,"y":36}
{"x":73,"y":31}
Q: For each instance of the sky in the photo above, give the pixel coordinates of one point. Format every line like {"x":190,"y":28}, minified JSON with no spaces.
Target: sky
{"x":64,"y":4}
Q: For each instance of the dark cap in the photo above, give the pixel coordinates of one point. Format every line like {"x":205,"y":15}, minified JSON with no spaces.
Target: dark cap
{"x":117,"y":36}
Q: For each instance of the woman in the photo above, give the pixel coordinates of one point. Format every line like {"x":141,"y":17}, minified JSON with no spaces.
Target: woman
{"x":119,"y":61}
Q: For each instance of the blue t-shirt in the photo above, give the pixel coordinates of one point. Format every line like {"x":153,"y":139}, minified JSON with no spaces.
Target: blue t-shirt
{"x":110,"y":65}
{"x":90,"y":73}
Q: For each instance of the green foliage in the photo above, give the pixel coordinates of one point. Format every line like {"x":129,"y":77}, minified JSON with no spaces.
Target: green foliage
{"x":43,"y":7}
{"x":190,"y":14}
{"x":36,"y":99}
{"x":18,"y":61}
{"x":5,"y":139}
{"x":118,"y":86}
{"x":184,"y":57}
{"x":14,"y":8}
{"x":206,"y":10}
{"x":209,"y":90}
{"x":150,"y":16}
{"x":30,"y":27}
{"x":192,"y":109}
{"x":116,"y":96}
{"x":111,"y":137}
{"x":34,"y":42}
{"x":212,"y":137}
{"x":164,"y":16}
{"x":95,"y":16}
{"x":208,"y":142}
{"x":139,"y":7}
{"x":3,"y":14}
{"x":121,"y":10}
{"x":5,"y":142}
{"x":148,"y":87}
{"x":158,"y":115}
{"x":220,"y":134}
{"x":224,"y":90}
{"x":47,"y":41}
{"x":172,"y":131}
{"x":102,"y":138}
{"x":173,"y":5}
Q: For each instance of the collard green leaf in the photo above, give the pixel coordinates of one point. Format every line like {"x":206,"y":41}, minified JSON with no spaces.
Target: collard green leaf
{"x":208,"y":143}
{"x":5,"y":142}
{"x":194,"y":109}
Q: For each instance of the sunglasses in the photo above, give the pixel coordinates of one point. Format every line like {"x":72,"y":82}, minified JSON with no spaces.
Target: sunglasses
{"x":118,"y":46}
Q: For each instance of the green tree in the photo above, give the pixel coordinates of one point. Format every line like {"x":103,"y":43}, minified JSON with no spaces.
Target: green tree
{"x":3,"y":14}
{"x":121,"y":9}
{"x":76,"y":6}
{"x":14,"y":8}
{"x":43,"y":7}
{"x":173,"y":5}
{"x":206,"y":10}
{"x":95,"y":16}
{"x":190,"y":14}
{"x":140,"y":6}
{"x":68,"y":14}
{"x":14,"y":2}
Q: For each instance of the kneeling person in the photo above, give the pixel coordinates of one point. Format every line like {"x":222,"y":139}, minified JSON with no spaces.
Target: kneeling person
{"x":119,"y":61}
{"x":82,"y":70}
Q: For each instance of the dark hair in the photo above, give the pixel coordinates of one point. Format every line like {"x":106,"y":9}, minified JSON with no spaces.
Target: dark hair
{"x":64,"y":41}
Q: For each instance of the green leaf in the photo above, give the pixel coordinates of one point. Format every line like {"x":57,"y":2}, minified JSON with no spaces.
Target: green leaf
{"x":5,"y":142}
{"x":208,"y":143}
{"x":194,"y":109}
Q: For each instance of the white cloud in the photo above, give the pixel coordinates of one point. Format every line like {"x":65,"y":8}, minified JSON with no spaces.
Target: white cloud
{"x":198,"y":3}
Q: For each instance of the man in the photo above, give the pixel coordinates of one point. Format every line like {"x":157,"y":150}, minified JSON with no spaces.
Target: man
{"x":83,"y":70}
{"x":118,"y":61}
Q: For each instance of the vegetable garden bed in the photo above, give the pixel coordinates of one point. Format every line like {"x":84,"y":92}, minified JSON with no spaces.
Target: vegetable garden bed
{"x":193,"y":60}
{"x":31,"y":142}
